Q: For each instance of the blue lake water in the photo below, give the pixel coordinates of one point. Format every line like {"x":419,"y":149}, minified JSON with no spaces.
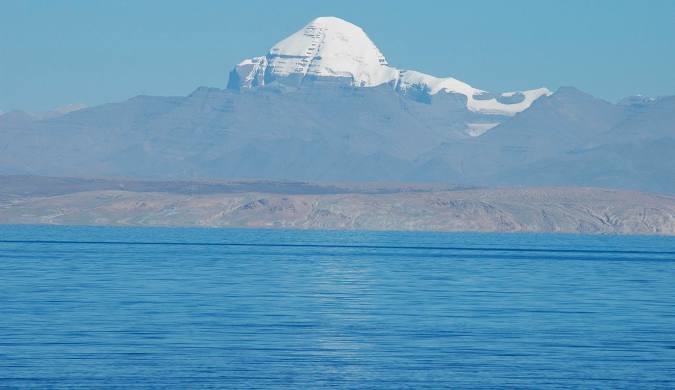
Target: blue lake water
{"x":259,"y":309}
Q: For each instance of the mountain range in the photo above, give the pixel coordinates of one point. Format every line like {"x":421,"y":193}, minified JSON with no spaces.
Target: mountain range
{"x":325,"y":105}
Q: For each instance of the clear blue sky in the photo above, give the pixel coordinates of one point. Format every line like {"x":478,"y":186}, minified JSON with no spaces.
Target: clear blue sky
{"x":54,"y":53}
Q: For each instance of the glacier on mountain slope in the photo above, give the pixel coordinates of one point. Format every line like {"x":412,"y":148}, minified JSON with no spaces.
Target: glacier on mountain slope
{"x":330,"y":49}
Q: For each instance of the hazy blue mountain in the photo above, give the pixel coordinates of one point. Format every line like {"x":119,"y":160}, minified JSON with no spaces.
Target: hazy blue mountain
{"x":349,"y":134}
{"x":561,"y":123}
{"x":324,"y":105}
{"x":329,"y":133}
{"x":636,"y":152}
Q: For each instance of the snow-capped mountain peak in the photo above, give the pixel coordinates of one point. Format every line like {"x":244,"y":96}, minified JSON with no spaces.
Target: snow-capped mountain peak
{"x":334,"y":50}
{"x":331,"y":47}
{"x":327,"y":47}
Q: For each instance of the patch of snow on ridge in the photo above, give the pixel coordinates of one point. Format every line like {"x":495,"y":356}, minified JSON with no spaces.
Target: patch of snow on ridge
{"x":68,"y":108}
{"x":493,"y":106}
{"x":478,"y":129}
{"x":251,"y":72}
{"x":434,"y":85}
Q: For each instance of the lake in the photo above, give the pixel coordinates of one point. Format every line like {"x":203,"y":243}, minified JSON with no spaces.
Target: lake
{"x":259,"y":309}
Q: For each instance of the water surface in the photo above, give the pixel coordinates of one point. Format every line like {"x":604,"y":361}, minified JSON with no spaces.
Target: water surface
{"x":259,"y":309}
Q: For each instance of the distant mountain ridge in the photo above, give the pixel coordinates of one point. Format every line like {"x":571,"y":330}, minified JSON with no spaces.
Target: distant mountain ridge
{"x":337,"y":119}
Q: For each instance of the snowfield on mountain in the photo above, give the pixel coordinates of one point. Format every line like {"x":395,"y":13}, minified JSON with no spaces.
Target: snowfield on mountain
{"x":330,"y":49}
